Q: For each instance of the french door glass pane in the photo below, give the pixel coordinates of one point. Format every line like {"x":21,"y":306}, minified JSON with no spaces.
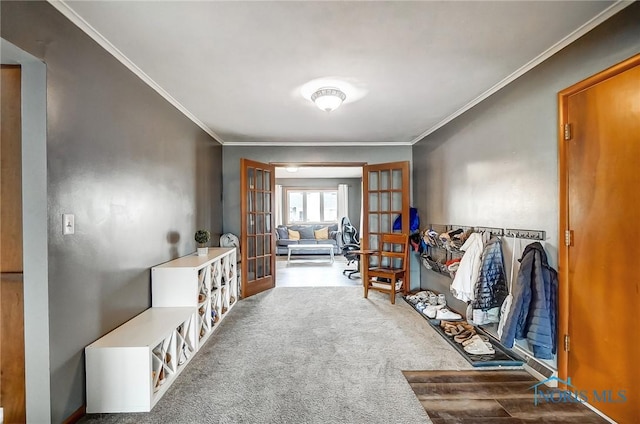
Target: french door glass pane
{"x":250,"y":178}
{"x":260,"y":266}
{"x":384,"y":201}
{"x":267,"y":180}
{"x":259,"y":201}
{"x":252,"y":246}
{"x":313,"y":207}
{"x":385,"y":178}
{"x":251,"y":227}
{"x":396,"y":201}
{"x":260,"y":245}
{"x":259,"y":185}
{"x":267,"y":223}
{"x":267,"y":245}
{"x":374,"y":225}
{"x":251,"y":270}
{"x":267,"y":266}
{"x":396,"y":182}
{"x":260,"y":221}
{"x":267,"y":202}
{"x":385,"y":223}
{"x":373,"y":180}
{"x":374,"y":242}
{"x":373,"y":202}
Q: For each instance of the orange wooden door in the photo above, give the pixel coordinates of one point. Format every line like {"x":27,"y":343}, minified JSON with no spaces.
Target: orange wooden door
{"x":385,"y":197}
{"x":12,"y":365}
{"x":257,"y":244}
{"x":601,"y":207}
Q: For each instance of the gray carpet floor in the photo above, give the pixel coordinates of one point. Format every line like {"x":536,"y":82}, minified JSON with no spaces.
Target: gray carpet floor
{"x":305,"y":355}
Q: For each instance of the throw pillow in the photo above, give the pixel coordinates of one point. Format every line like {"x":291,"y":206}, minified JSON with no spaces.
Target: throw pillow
{"x":322,"y":234}
{"x":282,"y":233}
{"x":294,"y":235}
{"x":306,"y":233}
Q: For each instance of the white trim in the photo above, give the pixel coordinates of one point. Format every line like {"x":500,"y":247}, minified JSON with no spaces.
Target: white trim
{"x":318,"y":143}
{"x":68,"y":12}
{"x":588,"y":26}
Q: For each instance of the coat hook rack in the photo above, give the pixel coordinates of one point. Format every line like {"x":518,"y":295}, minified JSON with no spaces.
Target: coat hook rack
{"x":526,"y":234}
{"x":491,"y":230}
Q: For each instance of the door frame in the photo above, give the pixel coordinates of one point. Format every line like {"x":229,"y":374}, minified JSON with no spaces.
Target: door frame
{"x":563,"y":248}
{"x":35,"y":230}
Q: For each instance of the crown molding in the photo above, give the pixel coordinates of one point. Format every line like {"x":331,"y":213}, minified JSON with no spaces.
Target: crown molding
{"x":76,"y":19}
{"x":318,"y":143}
{"x":573,"y":36}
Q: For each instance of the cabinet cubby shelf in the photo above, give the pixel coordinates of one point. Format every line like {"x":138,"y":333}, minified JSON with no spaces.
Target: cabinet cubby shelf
{"x":130,"y":368}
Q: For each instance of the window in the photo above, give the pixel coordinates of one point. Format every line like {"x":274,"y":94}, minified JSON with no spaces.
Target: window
{"x":311,"y":205}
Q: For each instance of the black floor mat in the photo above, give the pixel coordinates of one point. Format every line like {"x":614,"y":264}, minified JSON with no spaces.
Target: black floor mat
{"x":502,"y":356}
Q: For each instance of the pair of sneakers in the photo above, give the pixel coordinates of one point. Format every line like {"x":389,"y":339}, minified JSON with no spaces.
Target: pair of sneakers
{"x":444,"y":313}
{"x":431,"y":311}
{"x":421,"y":296}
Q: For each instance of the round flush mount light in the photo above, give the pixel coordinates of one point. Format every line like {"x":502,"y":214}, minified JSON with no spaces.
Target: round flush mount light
{"x":328,"y":98}
{"x":328,"y":93}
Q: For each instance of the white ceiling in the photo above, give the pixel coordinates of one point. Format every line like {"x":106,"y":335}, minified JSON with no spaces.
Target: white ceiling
{"x":236,"y":67}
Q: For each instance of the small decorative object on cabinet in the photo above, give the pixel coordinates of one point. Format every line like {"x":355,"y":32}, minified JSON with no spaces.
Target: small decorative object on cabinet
{"x":206,"y":283}
{"x":202,"y":237}
{"x":130,"y":368}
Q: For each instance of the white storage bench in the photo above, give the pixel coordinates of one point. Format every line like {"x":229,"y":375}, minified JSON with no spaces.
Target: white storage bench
{"x":130,"y":368}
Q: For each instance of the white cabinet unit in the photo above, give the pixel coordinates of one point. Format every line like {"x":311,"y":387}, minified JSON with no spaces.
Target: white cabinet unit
{"x":130,"y":368}
{"x":207,"y":283}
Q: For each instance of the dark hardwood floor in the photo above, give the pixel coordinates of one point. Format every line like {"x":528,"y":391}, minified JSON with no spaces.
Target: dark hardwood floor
{"x":491,"y":396}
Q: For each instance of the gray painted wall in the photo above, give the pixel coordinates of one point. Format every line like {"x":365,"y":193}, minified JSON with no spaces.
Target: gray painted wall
{"x":497,"y":164}
{"x":355,"y":192}
{"x":282,"y":154}
{"x":138,"y":175}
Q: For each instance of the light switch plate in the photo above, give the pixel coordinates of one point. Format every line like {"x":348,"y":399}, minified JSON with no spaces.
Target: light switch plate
{"x":68,"y":224}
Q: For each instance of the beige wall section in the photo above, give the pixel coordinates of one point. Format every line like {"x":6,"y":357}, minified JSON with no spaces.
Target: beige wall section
{"x":496,"y":165}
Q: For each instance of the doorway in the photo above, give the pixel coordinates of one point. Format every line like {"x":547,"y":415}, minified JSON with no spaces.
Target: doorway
{"x":316,"y":197}
{"x":35,"y":233}
{"x":385,"y":198}
{"x":599,"y":214}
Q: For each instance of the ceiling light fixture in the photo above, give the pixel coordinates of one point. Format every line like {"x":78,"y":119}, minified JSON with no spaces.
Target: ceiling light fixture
{"x":291,"y":169}
{"x":328,"y":98}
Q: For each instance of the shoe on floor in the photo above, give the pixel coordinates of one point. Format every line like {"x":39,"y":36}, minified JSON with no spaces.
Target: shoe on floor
{"x":420,"y":306}
{"x":445,"y":313}
{"x":477,"y":346}
{"x":432,"y":310}
{"x":483,"y":337}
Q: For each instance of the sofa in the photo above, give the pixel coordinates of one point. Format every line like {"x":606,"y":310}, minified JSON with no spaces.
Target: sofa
{"x":308,"y":234}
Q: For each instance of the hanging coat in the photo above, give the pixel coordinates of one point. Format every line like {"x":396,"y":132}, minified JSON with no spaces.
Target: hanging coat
{"x":491,"y":287}
{"x":534,"y":312}
{"x":463,"y":284}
